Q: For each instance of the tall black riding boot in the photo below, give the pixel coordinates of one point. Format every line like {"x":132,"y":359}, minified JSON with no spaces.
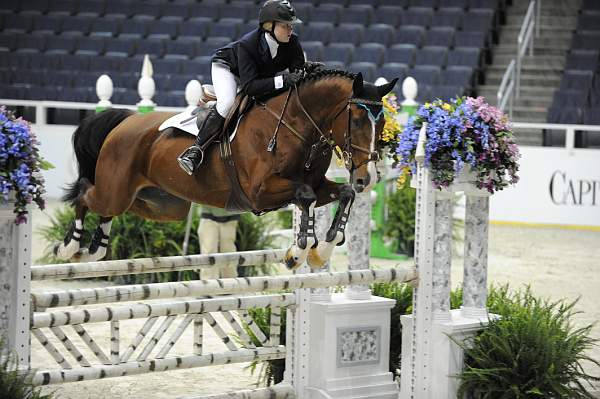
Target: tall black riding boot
{"x":193,"y":156}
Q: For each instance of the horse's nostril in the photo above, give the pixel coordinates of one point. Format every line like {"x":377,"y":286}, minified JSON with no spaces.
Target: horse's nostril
{"x":360,"y":182}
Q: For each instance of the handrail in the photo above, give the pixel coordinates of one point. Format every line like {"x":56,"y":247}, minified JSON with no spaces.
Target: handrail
{"x":525,"y":40}
{"x":506,"y":91}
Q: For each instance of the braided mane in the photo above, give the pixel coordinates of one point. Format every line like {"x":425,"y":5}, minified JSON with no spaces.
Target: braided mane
{"x":325,"y":73}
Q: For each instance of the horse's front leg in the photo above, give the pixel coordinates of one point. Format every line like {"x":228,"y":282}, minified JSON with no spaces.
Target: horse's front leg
{"x":305,"y":199}
{"x":320,"y":254}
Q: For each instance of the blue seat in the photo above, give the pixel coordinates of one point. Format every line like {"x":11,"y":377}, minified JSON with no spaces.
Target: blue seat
{"x":106,"y":64}
{"x":569,"y":115}
{"x":341,"y":3}
{"x":32,"y":7}
{"x":372,"y":3}
{"x":458,"y":75}
{"x":317,"y":31}
{"x":357,"y":14}
{"x":401,"y":53}
{"x":397,"y":3}
{"x":204,"y":49}
{"x":171,"y":99}
{"x":61,"y":45}
{"x":239,"y":10}
{"x":389,"y":15}
{"x":228,"y":29}
{"x":423,"y":3}
{"x":348,"y":33}
{"x":89,"y":79}
{"x":90,"y":45}
{"x":341,"y":52}
{"x":27,"y":77}
{"x":70,"y":62}
{"x":571,"y":98}
{"x":179,"y":82}
{"x":584,"y":60}
{"x":462,"y":4}
{"x":64,"y":7}
{"x":118,"y":47}
{"x":216,"y":42}
{"x":586,"y":40}
{"x":425,"y":74}
{"x":31,"y":43}
{"x":590,"y":116}
{"x":60,"y":79}
{"x":446,"y":92}
{"x":304,"y":11}
{"x":469,"y":39}
{"x":314,"y":50}
{"x":197,"y":66}
{"x":484,"y":4}
{"x":196,"y":27}
{"x":177,"y":10}
{"x":167,"y":66}
{"x":440,"y":36}
{"x":93,"y":8}
{"x":104,"y":27}
{"x":8,"y":42}
{"x":590,"y":22}
{"x":152,"y":47}
{"x":391,"y":70}
{"x":479,"y":20}
{"x":77,"y":26}
{"x":205,"y":11}
{"x":431,"y":55}
{"x":465,"y":56}
{"x":164,"y":29}
{"x":22,"y":24}
{"x":419,"y":16}
{"x":379,"y":33}
{"x":579,"y":80}
{"x":119,"y":10}
{"x":368,"y":70}
{"x":369,"y":52}
{"x":451,"y":17}
{"x":150,"y":9}
{"x":133,"y":29}
{"x":48,"y":24}
{"x":590,"y":5}
{"x":410,"y":34}
{"x":327,"y":13}
{"x":183,"y":46}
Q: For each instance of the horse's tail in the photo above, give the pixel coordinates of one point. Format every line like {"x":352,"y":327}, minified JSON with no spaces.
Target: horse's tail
{"x":87,"y":141}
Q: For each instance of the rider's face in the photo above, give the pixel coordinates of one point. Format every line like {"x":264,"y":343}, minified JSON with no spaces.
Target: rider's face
{"x":283,"y":31}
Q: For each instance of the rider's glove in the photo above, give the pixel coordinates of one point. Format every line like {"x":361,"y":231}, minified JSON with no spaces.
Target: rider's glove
{"x":291,"y":78}
{"x":310,"y":66}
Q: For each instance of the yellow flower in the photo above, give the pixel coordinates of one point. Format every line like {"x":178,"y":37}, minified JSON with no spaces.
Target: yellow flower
{"x":427,"y":105}
{"x":446,"y":107}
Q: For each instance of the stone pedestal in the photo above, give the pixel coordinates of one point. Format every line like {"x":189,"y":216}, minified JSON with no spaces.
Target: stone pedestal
{"x":15,"y":276}
{"x":446,"y":356}
{"x":358,"y":236}
{"x":349,"y":349}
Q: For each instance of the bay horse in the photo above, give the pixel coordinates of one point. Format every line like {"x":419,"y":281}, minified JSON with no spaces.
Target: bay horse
{"x":127,"y":165}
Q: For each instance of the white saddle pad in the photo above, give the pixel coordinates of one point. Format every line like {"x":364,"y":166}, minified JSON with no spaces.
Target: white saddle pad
{"x":187,"y":122}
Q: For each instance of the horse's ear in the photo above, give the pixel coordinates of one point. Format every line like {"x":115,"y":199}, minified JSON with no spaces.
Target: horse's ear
{"x":357,"y":87}
{"x":386,"y":88}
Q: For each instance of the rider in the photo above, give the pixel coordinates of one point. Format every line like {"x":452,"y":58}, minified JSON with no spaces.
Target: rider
{"x":262,"y":61}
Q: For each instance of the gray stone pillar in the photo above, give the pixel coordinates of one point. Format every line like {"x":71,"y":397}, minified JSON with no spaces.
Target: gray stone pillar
{"x":442,"y":257}
{"x":476,"y":256}
{"x":358,"y":239}
{"x":323,"y":221}
{"x":15,"y":276}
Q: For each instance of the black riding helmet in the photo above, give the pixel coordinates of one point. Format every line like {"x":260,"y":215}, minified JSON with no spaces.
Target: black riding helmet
{"x":278,"y":11}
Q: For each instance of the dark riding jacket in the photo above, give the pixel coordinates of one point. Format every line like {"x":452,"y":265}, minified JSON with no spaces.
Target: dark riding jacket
{"x":250,"y":60}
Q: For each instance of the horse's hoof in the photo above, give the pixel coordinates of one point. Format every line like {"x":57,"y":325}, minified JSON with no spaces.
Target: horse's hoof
{"x":291,"y":261}
{"x":80,"y":256}
{"x":314,"y":260}
{"x":55,"y":248}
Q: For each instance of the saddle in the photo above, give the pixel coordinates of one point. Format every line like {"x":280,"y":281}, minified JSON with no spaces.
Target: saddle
{"x":238,"y":200}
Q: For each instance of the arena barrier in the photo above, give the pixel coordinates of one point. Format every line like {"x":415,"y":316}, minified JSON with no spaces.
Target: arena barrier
{"x":337,"y":345}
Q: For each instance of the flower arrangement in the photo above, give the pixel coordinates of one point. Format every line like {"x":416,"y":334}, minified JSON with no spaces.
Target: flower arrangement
{"x":20,"y":165}
{"x":464,"y":131}
{"x":391,"y":130}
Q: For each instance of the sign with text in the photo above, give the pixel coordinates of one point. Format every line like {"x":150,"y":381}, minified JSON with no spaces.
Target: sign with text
{"x":556,"y":187}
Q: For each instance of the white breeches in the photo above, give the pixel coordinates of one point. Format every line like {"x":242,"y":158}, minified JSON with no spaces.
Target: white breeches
{"x":226,"y":86}
{"x":217,"y":237}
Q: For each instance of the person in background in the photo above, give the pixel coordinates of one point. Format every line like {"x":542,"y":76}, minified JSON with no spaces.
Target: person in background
{"x":216,"y":233}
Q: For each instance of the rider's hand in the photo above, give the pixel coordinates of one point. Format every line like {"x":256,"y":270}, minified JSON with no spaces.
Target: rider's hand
{"x":291,"y":78}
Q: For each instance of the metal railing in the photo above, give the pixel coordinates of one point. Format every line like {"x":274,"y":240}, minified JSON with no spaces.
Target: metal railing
{"x":506,"y":91}
{"x":525,"y":40}
{"x":570,"y":130}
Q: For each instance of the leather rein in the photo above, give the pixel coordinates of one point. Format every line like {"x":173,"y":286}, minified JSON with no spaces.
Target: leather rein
{"x":326,"y":143}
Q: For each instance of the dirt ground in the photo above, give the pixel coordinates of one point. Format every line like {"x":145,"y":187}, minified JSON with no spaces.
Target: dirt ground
{"x":556,"y":263}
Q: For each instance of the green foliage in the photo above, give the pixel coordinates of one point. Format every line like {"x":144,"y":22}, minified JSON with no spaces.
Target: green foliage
{"x":285,"y":219}
{"x":531,"y":351}
{"x":400,"y":223}
{"x":16,"y":384}
{"x":134,"y":237}
{"x":270,"y":372}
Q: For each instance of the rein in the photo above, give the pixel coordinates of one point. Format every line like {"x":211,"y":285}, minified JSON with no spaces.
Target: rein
{"x":324,"y":141}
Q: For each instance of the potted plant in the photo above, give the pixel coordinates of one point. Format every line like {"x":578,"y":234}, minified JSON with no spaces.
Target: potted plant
{"x":21,"y":182}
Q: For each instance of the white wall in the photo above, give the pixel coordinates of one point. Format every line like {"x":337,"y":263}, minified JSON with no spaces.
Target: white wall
{"x":56,"y":148}
{"x":556,"y":187}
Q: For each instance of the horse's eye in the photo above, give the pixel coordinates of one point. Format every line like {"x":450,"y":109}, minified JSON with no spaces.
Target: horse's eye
{"x":356,"y":123}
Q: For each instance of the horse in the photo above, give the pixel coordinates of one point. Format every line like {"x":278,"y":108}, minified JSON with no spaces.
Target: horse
{"x":282,"y":149}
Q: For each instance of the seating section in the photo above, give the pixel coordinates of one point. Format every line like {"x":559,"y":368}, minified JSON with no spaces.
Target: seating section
{"x":56,"y":49}
{"x":577,"y":101}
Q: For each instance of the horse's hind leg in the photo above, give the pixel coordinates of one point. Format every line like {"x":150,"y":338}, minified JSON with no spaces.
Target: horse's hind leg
{"x":70,"y":245}
{"x":99,"y":243}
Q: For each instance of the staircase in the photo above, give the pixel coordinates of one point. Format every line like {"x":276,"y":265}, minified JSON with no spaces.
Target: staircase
{"x":540,"y":73}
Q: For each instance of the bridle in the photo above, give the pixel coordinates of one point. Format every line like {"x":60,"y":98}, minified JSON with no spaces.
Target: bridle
{"x":325,"y":142}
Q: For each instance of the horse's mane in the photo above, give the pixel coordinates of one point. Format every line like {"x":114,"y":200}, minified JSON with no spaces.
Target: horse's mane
{"x":319,"y":74}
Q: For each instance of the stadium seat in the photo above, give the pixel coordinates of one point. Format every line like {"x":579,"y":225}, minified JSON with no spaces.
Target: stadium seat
{"x":586,"y":40}
{"x":465,"y":56}
{"x":589,"y":22}
{"x":389,"y":15}
{"x":64,"y":7}
{"x":431,"y":55}
{"x":379,"y":33}
{"x":469,"y":39}
{"x":451,"y":17}
{"x":583,"y":60}
{"x":462,"y":4}
{"x":391,"y":70}
{"x":177,"y":10}
{"x":590,"y":116}
{"x":341,"y":52}
{"x":571,"y":98}
{"x":185,"y":47}
{"x":423,"y":3}
{"x":119,"y":10}
{"x":578,"y":80}
{"x":439,"y":36}
{"x":33,"y":7}
{"x":162,"y":29}
{"x":119,"y":47}
{"x":104,"y":27}
{"x":204,"y":11}
{"x":227,"y":28}
{"x":419,"y":16}
{"x":446,"y":92}
{"x":60,"y":45}
{"x":401,"y":53}
{"x":197,"y":66}
{"x":348,"y":33}
{"x":152,"y":47}
{"x":368,"y":70}
{"x":147,"y":9}
{"x":317,"y":31}
{"x":425,"y":74}
{"x":357,"y":14}
{"x":238,"y":10}
{"x":22,"y":24}
{"x":410,"y":34}
{"x":369,"y":52}
{"x":459,"y":76}
{"x":327,"y":13}
{"x":314,"y":50}
{"x":90,"y":45}
{"x":93,"y":8}
{"x":47,"y":24}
